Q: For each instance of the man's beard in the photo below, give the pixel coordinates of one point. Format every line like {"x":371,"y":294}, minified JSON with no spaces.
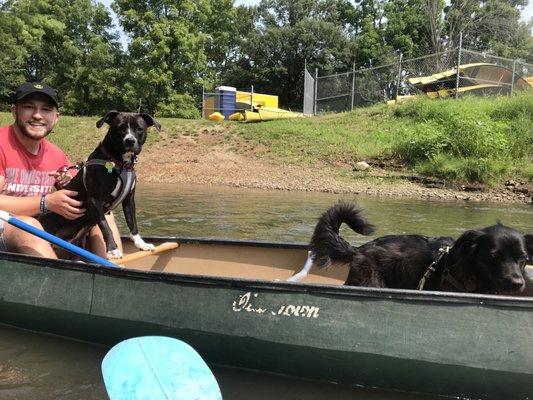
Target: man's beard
{"x":34,"y":136}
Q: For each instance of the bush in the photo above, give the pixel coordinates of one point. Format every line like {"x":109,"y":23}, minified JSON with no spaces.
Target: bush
{"x":178,"y":106}
{"x":480,"y":170}
{"x":475,"y":139}
{"x":422,"y":142}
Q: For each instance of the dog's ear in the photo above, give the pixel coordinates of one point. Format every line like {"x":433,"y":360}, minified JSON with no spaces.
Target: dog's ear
{"x":466,"y":246}
{"x":151,"y":121}
{"x":528,"y":239}
{"x":107,"y":118}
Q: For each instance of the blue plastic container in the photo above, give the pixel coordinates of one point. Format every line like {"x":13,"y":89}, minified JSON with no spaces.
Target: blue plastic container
{"x":227,"y":100}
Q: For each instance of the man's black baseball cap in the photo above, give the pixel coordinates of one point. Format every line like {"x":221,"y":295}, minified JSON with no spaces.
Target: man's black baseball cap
{"x":35,"y":87}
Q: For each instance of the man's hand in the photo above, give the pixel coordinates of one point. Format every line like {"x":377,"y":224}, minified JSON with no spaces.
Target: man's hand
{"x":62,"y":177}
{"x":63,"y":203}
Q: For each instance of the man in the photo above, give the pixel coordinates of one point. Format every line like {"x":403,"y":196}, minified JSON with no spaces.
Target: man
{"x":30,"y":169}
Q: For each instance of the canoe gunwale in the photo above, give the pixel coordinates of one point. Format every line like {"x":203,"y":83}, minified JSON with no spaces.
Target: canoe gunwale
{"x":264,"y":285}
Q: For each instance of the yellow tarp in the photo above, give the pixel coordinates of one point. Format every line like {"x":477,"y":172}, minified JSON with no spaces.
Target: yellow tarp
{"x":257,"y":99}
{"x":269,"y":113}
{"x":264,"y":114}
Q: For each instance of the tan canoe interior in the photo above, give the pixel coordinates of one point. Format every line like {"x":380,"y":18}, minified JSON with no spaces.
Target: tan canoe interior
{"x":246,"y":262}
{"x":235,"y":261}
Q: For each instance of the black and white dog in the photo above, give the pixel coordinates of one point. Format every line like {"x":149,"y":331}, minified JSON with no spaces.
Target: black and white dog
{"x":106,"y":180}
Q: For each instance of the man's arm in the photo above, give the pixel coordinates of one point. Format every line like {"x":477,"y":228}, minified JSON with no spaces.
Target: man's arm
{"x":60,"y":202}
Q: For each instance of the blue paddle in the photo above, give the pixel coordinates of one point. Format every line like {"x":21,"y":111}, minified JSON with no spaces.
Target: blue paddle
{"x":157,"y":368}
{"x":86,"y":255}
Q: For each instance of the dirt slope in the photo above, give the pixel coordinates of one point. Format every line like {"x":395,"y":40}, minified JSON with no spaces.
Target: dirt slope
{"x":207,"y":157}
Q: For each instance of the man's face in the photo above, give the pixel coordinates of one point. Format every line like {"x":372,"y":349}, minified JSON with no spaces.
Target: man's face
{"x":35,"y":116}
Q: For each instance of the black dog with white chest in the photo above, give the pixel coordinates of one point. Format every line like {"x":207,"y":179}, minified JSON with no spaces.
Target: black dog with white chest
{"x":106,"y":180}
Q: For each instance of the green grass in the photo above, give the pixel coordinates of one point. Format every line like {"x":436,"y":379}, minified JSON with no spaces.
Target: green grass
{"x":335,"y":137}
{"x":485,"y":140}
{"x":78,"y":136}
{"x":472,"y":139}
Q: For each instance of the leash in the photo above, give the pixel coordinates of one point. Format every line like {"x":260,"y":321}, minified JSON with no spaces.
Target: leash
{"x":66,"y":168}
{"x":431,"y":269}
{"x":446,"y":273}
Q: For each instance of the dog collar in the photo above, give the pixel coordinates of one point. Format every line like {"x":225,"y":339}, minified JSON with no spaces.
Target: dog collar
{"x":448,"y":277}
{"x":120,"y":164}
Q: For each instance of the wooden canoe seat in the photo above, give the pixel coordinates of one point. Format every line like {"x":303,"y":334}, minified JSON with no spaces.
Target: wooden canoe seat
{"x":141,"y":254}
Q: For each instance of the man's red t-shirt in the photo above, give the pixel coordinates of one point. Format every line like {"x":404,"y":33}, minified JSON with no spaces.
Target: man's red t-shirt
{"x":27,"y":174}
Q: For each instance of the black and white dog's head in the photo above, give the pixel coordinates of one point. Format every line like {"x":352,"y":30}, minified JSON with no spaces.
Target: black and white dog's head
{"x":127,"y":131}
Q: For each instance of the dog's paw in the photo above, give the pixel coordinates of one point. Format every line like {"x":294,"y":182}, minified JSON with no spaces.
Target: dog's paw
{"x":147,"y":247}
{"x":114,"y":254}
{"x":141,"y":244}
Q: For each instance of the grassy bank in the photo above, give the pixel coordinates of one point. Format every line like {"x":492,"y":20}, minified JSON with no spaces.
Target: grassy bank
{"x":78,"y":136}
{"x":484,"y":140}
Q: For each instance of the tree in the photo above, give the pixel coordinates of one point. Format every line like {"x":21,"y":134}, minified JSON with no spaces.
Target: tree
{"x":175,"y":46}
{"x":66,"y":43}
{"x":280,"y":36}
{"x":434,"y":12}
{"x":488,"y":25}
{"x":406,"y":29}
{"x":12,"y":54}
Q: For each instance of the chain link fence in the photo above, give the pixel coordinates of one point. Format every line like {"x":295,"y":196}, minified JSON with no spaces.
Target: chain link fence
{"x":434,"y":75}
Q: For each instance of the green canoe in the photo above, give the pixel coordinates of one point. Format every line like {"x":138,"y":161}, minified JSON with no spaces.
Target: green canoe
{"x":232,"y":301}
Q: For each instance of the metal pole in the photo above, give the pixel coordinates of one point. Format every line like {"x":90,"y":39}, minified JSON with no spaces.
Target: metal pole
{"x":458,"y":64}
{"x":204,"y":113}
{"x":513,"y":78}
{"x":353,"y":84}
{"x":252,"y":98}
{"x":399,"y":78}
{"x":315,"y":95}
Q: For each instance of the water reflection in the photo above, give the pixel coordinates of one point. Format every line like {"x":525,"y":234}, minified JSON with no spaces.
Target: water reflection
{"x":185,"y":210}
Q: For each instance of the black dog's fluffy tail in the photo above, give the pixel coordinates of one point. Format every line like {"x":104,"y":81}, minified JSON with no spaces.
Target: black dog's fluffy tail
{"x":326,"y":244}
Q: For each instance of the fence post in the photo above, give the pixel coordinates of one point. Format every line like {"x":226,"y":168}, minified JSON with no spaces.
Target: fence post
{"x":512,"y":79}
{"x":203,"y":102}
{"x":252,"y":98}
{"x":315,"y":94}
{"x":458,"y":64}
{"x":398,"y":79}
{"x":353,"y":84}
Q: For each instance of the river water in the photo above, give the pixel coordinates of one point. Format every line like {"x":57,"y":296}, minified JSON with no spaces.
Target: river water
{"x":37,"y":366}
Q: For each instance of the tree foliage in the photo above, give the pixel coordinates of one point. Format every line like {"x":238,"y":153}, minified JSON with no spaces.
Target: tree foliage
{"x":176,"y":47}
{"x":66,"y":43}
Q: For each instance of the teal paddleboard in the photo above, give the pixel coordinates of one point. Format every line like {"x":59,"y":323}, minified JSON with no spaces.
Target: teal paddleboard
{"x":157,"y":367}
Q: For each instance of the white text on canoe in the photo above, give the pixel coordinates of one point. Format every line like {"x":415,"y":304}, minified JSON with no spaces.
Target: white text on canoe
{"x":244,"y":303}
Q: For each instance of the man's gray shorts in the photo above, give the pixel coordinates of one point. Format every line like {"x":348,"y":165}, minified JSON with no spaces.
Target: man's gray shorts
{"x":2,"y":243}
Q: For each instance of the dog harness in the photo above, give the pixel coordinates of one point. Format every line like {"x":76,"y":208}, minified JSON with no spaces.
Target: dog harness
{"x":446,"y":273}
{"x":125,"y":182}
